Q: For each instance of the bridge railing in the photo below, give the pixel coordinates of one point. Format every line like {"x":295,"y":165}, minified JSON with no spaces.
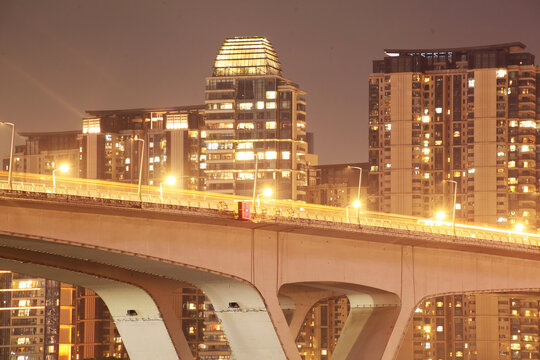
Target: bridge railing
{"x":263,"y":209}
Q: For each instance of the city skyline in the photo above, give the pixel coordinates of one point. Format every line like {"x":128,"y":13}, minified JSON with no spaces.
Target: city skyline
{"x":101,"y":56}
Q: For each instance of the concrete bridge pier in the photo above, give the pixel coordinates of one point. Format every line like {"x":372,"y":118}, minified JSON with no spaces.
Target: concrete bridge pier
{"x":135,"y":314}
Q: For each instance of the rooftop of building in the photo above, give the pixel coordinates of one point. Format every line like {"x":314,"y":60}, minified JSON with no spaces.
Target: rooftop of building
{"x":342,"y":166}
{"x":510,"y":47}
{"x":50,"y":133}
{"x":246,"y":55}
{"x":145,"y":110}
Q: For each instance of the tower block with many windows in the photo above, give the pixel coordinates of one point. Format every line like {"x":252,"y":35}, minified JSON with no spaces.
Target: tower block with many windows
{"x":463,"y":118}
{"x":256,"y":123}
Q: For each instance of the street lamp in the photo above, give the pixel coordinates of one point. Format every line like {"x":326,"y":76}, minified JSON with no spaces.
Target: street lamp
{"x":519,"y":227}
{"x":63,"y":168}
{"x":440,"y":215}
{"x":267,"y":192}
{"x":359,"y":184}
{"x":454,"y":207}
{"x":256,"y":174}
{"x":139,"y":193}
{"x":170,"y":180}
{"x":11,"y":151}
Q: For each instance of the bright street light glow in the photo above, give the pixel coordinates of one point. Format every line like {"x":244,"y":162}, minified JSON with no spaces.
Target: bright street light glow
{"x":440,"y":215}
{"x":171,"y":180}
{"x":356,"y":203}
{"x":267,"y":192}
{"x":64,"y":167}
{"x":520,"y":227}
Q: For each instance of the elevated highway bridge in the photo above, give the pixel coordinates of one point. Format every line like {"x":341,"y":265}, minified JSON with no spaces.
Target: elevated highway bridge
{"x":262,"y":276}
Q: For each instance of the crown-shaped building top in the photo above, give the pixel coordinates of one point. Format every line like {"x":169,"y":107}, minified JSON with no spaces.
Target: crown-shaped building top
{"x":249,"y":55}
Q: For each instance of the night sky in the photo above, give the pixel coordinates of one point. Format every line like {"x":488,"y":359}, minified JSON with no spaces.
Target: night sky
{"x":60,"y":58}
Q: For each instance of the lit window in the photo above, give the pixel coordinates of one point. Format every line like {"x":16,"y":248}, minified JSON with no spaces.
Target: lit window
{"x":426,"y":119}
{"x":91,"y":126}
{"x":245,"y":145}
{"x":245,"y":155}
{"x":426,"y":176}
{"x":471,"y":83}
{"x":212,"y":146}
{"x":245,"y":106}
{"x":270,"y":94}
{"x":271,"y":105}
{"x":245,"y":176}
{"x":438,"y":110}
{"x":271,"y":155}
{"x":511,"y":164}
{"x":440,"y":328}
{"x":458,"y":206}
{"x":246,"y":126}
{"x":527,"y":124}
{"x":226,"y":106}
{"x":260,"y":105}
{"x":525,"y":188}
{"x":501,"y":73}
{"x":525,"y":164}
{"x":156,"y":159}
{"x":177,"y":121}
{"x":388,"y":126}
{"x":285,"y":155}
{"x":202,"y":165}
{"x":270,"y":124}
{"x":285,"y":174}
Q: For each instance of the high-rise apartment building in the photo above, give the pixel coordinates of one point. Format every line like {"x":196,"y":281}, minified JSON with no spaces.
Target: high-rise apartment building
{"x":256,"y":123}
{"x":474,"y":327}
{"x":322,"y":328}
{"x":462,"y":119}
{"x":36,"y":318}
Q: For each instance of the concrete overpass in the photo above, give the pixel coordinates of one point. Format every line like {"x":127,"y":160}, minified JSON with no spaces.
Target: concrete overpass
{"x":262,"y":277}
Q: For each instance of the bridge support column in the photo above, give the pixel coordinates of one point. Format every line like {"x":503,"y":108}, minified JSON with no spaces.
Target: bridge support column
{"x":368,"y":327}
{"x":408,"y":304}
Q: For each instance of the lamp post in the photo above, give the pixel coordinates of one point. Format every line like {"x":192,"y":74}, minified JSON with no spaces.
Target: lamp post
{"x":255,"y":177}
{"x":454,"y":207}
{"x":10,"y":152}
{"x":267,"y":192}
{"x":139,"y":193}
{"x":356,"y":203}
{"x":170,"y":180}
{"x":62,"y":168}
{"x":359,"y":181}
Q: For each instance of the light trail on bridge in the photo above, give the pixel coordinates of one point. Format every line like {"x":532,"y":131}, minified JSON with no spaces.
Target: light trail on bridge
{"x":269,"y":209}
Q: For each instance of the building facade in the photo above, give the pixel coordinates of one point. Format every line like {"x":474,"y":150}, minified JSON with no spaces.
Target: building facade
{"x":36,"y":318}
{"x":474,"y":327}
{"x":337,"y":184}
{"x":44,"y":152}
{"x":463,"y":119}
{"x":110,"y":148}
{"x":256,"y":123}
